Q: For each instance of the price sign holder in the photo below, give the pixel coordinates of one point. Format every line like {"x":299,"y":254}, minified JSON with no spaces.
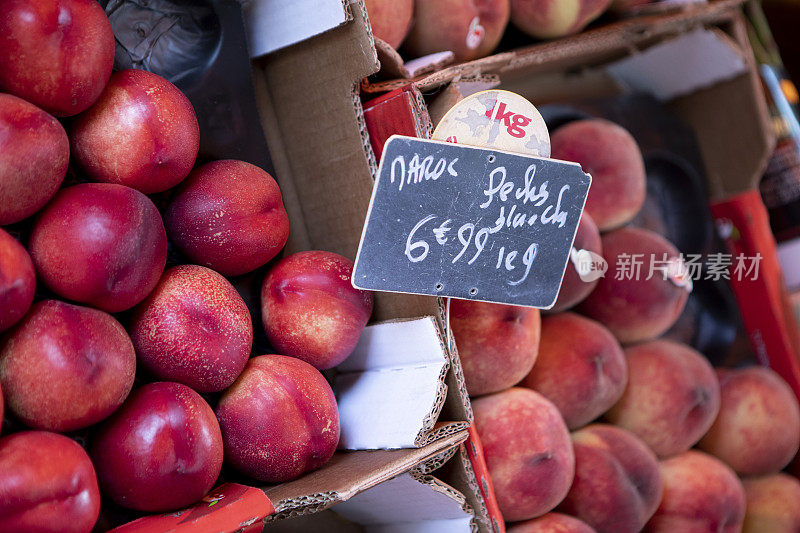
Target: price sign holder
{"x":467,"y":222}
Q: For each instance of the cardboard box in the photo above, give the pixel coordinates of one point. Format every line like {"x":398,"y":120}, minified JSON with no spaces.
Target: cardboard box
{"x":309,"y":96}
{"x":310,"y":92}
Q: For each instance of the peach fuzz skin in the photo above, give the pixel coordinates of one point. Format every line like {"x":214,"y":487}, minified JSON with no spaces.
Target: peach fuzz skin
{"x":581,"y":368}
{"x":635,"y":308}
{"x":497,"y":344}
{"x":528,"y":451}
{"x":772,"y":504}
{"x":390,"y":19}
{"x":701,"y":494}
{"x":551,"y":523}
{"x":672,"y":397}
{"x":446,"y":25}
{"x":757,"y":430}
{"x":617,"y":484}
{"x":610,"y":154}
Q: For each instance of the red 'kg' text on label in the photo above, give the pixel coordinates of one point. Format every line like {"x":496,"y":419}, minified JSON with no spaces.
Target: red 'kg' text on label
{"x":514,"y":122}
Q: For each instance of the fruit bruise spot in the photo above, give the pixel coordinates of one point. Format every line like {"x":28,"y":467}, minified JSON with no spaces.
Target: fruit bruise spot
{"x":536,"y":459}
{"x":701,"y":398}
{"x":597,"y":362}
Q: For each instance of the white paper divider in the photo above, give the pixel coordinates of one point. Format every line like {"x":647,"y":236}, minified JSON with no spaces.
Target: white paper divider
{"x":405,"y":505}
{"x":275,"y":24}
{"x":680,"y":66}
{"x":390,"y":384}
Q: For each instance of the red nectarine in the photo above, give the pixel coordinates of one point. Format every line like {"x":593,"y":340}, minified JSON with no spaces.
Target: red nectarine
{"x":66,"y":367}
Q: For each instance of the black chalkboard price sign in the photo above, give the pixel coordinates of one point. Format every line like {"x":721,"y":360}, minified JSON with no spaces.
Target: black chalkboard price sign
{"x":473,"y":223}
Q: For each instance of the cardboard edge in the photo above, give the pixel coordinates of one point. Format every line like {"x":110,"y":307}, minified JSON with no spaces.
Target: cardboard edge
{"x":435,"y":462}
{"x":459,"y":474}
{"x":345,"y":464}
{"x":426,"y":124}
{"x":443,"y":430}
{"x":303,"y":505}
{"x":457,"y":371}
{"x":441,"y":487}
{"x":426,"y":433}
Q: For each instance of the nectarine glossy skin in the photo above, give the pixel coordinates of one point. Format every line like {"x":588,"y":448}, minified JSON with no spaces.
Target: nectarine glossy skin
{"x":551,"y":523}
{"x":66,"y":367}
{"x":528,"y":451}
{"x":581,"y":368}
{"x":17,"y":281}
{"x":47,"y":484}
{"x":633,"y":307}
{"x":161,"y":451}
{"x":390,"y":19}
{"x":194,"y":328}
{"x":757,"y":430}
{"x":672,"y":397}
{"x":610,"y":154}
{"x":34,"y":154}
{"x":497,"y":344}
{"x":279,"y":419}
{"x":469,"y":28}
{"x":311,"y":311}
{"x":100,"y":244}
{"x":617,"y":484}
{"x":228,"y":216}
{"x":701,"y":494}
{"x":56,"y":54}
{"x":573,"y":289}
{"x":772,"y":504}
{"x":142,"y":132}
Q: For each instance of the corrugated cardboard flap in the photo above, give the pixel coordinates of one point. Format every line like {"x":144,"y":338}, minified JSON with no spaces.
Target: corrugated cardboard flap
{"x":602,"y":43}
{"x":349,"y":473}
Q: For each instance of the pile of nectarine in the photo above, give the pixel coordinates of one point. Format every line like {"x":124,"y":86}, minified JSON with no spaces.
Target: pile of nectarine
{"x":636,"y":404}
{"x":122,"y":338}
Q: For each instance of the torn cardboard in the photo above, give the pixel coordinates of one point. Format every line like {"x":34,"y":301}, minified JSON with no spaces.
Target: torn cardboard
{"x":348,"y":474}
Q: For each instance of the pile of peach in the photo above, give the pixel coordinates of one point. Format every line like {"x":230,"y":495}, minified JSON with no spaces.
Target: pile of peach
{"x":589,"y":420}
{"x":472,"y":29}
{"x":88,"y":307}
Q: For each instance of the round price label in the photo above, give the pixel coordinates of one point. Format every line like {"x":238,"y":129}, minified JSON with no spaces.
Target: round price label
{"x":496,"y":119}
